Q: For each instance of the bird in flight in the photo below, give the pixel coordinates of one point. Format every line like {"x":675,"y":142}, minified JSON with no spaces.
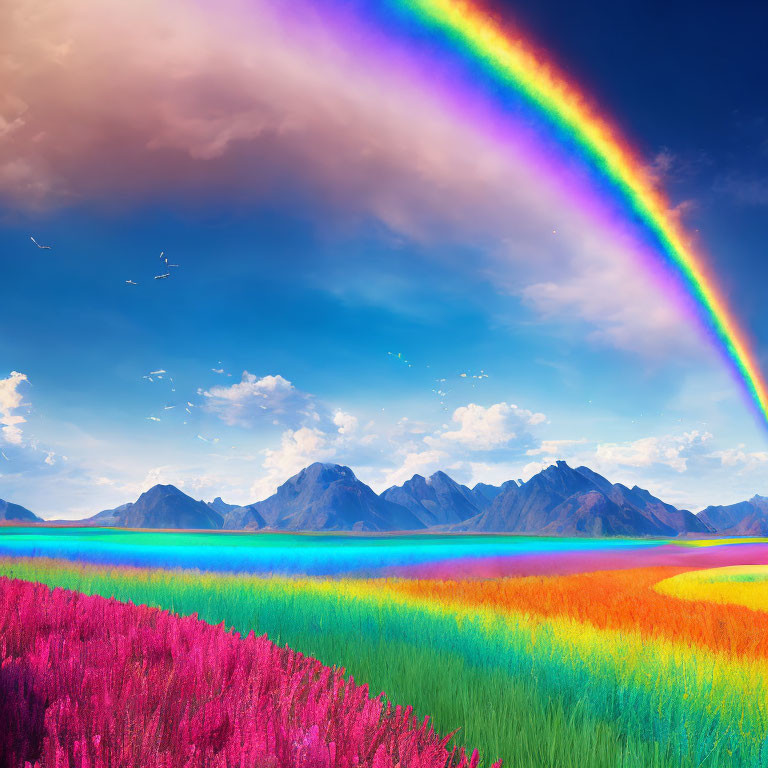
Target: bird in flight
{"x":130,"y":282}
{"x":41,"y":247}
{"x":152,"y":418}
{"x":162,"y":277}
{"x":4,"y":456}
{"x":157,"y":372}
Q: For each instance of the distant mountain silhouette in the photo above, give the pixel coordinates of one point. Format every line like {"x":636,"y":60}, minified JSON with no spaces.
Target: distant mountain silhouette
{"x":490,"y":492}
{"x":565,"y":501}
{"x":745,"y":518}
{"x":437,"y":499}
{"x":244,"y":518}
{"x":11,"y":511}
{"x":559,"y":500}
{"x":221,"y":506}
{"x":109,"y":516}
{"x":163,"y":506}
{"x":326,"y":497}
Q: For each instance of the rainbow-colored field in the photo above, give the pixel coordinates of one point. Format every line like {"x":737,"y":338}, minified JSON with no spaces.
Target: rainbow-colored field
{"x":541,"y":652}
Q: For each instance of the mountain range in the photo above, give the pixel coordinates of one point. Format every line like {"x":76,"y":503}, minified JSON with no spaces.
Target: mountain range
{"x":324,"y":497}
{"x":559,"y":500}
{"x":570,"y":502}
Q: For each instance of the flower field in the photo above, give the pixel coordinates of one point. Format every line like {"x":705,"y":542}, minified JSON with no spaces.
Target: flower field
{"x":92,"y":682}
{"x":546,"y":653}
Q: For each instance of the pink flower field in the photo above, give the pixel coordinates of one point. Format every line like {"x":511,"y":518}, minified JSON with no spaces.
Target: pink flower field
{"x":91,"y":682}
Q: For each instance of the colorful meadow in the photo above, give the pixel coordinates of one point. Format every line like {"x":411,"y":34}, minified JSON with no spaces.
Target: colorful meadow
{"x":538,"y":652}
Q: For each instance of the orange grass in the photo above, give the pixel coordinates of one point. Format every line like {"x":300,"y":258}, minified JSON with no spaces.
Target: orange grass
{"x":616,"y":600}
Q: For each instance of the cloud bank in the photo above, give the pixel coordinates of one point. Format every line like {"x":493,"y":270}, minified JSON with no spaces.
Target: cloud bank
{"x":11,"y":401}
{"x":119,"y":103}
{"x":254,"y":400}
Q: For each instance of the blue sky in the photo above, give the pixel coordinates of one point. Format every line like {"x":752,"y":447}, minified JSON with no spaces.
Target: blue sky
{"x":393,"y":320}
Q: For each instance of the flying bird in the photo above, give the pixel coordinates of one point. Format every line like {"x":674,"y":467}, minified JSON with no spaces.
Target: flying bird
{"x":130,"y":282}
{"x":158,"y":371}
{"x":152,"y":418}
{"x":161,"y":254}
{"x":41,"y":247}
{"x":171,"y":265}
{"x":4,"y":456}
{"x":168,"y":407}
{"x":191,"y":405}
{"x":162,"y":277}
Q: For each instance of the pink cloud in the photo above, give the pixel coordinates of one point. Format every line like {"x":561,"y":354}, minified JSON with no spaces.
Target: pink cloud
{"x":122,"y":103}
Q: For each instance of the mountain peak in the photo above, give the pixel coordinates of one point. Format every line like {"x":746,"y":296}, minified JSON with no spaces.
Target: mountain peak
{"x":160,"y":488}
{"x":438,"y":500}
{"x":221,"y":506}
{"x":566,"y":501}
{"x":162,"y":506}
{"x":324,"y":471}
{"x":745,"y":518}
{"x":11,"y":511}
{"x":328,"y":497}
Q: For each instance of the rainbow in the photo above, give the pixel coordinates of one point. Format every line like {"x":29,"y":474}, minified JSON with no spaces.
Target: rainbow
{"x":516,"y":65}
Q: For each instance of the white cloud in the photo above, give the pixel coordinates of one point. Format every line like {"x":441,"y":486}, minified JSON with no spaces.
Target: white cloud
{"x":534,"y":467}
{"x":491,"y":473}
{"x":482,"y":448}
{"x":618,"y":300}
{"x":191,"y":482}
{"x":11,"y":399}
{"x":297,"y":449}
{"x":553,"y":447}
{"x":421,"y":463}
{"x":253,"y":400}
{"x":672,"y":451}
{"x":741,"y":459}
{"x":482,"y":428}
{"x":346,"y":422}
